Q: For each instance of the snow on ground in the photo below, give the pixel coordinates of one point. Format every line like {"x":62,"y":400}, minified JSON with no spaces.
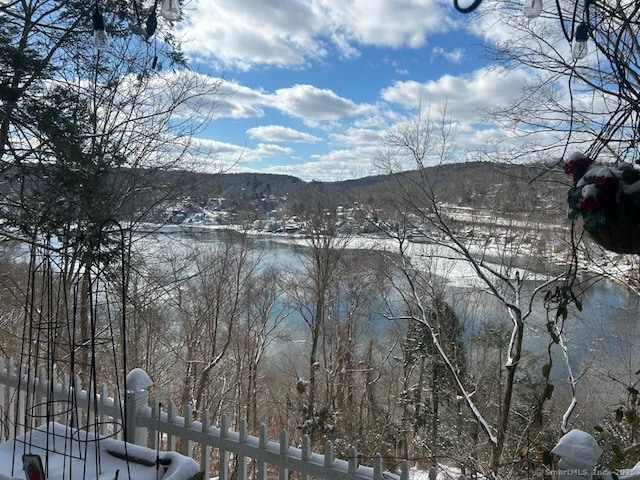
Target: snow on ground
{"x":76,"y":454}
{"x":444,"y":473}
{"x":443,"y":261}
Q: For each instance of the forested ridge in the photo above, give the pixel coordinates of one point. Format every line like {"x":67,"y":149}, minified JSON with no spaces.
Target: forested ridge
{"x":509,"y":188}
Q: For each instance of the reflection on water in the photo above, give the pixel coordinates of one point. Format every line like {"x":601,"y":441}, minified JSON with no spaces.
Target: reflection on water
{"x":609,"y":328}
{"x":603,"y":338}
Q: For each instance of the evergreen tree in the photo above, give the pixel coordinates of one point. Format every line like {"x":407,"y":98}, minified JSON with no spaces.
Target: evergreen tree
{"x":430,"y":397}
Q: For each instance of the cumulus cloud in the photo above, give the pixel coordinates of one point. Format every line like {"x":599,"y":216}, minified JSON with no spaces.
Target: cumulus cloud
{"x":252,"y":32}
{"x":352,"y":131}
{"x":234,"y":100}
{"x":213,"y":155}
{"x":336,"y":165}
{"x":465,"y":97}
{"x":285,"y":40}
{"x":306,"y":102}
{"x":405,"y":23}
{"x":271,"y":149}
{"x":294,"y":32}
{"x":357,"y":136}
{"x":279,"y":133}
{"x":314,"y":104}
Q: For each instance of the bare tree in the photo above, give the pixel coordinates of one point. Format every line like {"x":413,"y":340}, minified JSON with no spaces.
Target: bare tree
{"x":582,"y":96}
{"x":486,"y":256}
{"x":44,"y":43}
{"x":263,"y":327}
{"x":311,"y":296}
{"x":207,"y":296}
{"x":85,"y":138}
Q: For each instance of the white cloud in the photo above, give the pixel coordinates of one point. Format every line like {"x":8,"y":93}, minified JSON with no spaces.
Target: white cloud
{"x":353,"y":131}
{"x":454,"y":56}
{"x":405,"y":23}
{"x":303,"y":34}
{"x":307,"y":102}
{"x":238,"y":101}
{"x":279,"y":133}
{"x":271,"y":149}
{"x":314,"y":104}
{"x":294,"y":32}
{"x":357,"y":136}
{"x":465,"y":97}
{"x":243,"y":34}
{"x":337,"y":165}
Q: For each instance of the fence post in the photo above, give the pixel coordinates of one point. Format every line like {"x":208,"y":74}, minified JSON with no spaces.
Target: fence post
{"x":262,"y":443}
{"x":171,"y":418}
{"x":328,"y":454}
{"x":45,"y":386}
{"x":353,"y":461}
{"x":242,"y":460}
{"x":205,"y":450}
{"x":404,"y":470}
{"x":187,"y":445}
{"x":305,"y":454}
{"x":283,"y":472}
{"x":377,"y":467}
{"x":134,"y":402}
{"x":102,"y":428}
{"x":136,"y":398}
{"x":223,"y":473}
{"x":4,"y":430}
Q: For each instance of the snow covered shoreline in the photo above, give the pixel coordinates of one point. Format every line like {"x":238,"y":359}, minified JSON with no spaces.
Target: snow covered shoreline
{"x":438,"y":259}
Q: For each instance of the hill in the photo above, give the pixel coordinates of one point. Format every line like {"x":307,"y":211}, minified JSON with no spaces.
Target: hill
{"x":477,"y":185}
{"x":174,"y":196}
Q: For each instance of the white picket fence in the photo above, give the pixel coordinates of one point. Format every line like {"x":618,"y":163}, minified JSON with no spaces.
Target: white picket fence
{"x":28,"y":400}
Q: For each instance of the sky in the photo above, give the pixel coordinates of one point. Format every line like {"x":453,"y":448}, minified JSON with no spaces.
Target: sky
{"x":310,"y":86}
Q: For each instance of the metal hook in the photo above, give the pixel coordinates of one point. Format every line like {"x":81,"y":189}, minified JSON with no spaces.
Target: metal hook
{"x":469,"y":9}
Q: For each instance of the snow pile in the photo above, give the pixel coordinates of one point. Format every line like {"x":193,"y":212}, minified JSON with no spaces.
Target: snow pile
{"x":138,"y":380}
{"x":75,"y":454}
{"x":444,"y":472}
{"x":578,"y":450}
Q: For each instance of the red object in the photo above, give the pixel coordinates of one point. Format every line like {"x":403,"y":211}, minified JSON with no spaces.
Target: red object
{"x":32,"y":465}
{"x":577,"y":166}
{"x":587,"y":203}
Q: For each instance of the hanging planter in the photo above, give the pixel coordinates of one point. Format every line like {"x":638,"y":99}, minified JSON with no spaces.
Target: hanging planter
{"x":607,"y":198}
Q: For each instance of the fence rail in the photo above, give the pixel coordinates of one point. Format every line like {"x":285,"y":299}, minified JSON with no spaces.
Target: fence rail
{"x":28,"y":400}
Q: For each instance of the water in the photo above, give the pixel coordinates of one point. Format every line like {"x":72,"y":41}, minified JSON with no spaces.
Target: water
{"x":603,"y":339}
{"x":608,"y":330}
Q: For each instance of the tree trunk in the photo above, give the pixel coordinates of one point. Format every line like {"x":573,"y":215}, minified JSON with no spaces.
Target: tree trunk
{"x":435,"y":400}
{"x":507,"y":393}
{"x":84,"y":318}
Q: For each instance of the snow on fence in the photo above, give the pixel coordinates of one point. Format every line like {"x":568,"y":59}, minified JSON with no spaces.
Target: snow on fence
{"x":29,"y":403}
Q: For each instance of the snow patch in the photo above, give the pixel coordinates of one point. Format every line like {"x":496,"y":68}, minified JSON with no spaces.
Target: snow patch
{"x":76,"y":454}
{"x":138,"y":380}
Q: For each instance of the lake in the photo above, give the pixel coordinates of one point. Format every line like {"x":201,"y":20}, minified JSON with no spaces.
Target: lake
{"x":607,"y":330}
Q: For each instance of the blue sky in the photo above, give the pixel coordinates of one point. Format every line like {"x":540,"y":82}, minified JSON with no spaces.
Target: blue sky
{"x":310,"y":86}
